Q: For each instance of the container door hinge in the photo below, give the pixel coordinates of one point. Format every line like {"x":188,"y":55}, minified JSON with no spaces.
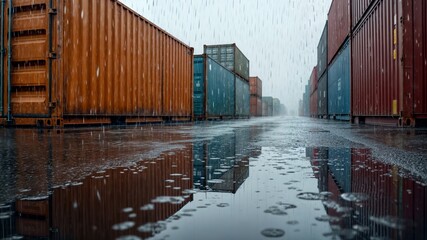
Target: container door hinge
{"x":52,"y":11}
{"x":52,"y":55}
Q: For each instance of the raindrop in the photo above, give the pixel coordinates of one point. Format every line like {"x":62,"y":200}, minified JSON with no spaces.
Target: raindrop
{"x":223,"y":205}
{"x":292,"y":222}
{"x":275,"y":210}
{"x":127,"y":210}
{"x":273,"y":232}
{"x":147,"y":207}
{"x":152,"y":227}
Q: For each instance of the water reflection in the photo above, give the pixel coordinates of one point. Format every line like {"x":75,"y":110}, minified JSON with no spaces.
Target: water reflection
{"x":368,"y":199}
{"x":221,"y":164}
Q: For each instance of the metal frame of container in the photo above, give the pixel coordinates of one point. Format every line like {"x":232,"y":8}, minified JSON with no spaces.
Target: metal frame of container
{"x":214,"y":89}
{"x":239,"y":59}
{"x":388,"y":58}
{"x":118,"y":68}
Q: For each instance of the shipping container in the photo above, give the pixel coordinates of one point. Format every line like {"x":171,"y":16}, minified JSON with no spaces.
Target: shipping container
{"x":340,"y":167}
{"x":313,"y":93}
{"x":338,"y":26}
{"x":313,"y":80}
{"x":359,"y":9}
{"x":256,"y":106}
{"x":339,"y":85}
{"x":230,"y":56}
{"x":267,"y":106}
{"x":306,"y":99}
{"x":214,"y":89}
{"x":322,"y":52}
{"x":276,"y":107}
{"x":242,"y":98}
{"x":300,"y":108}
{"x":322,"y":96}
{"x":389,"y":51}
{"x":118,"y":68}
{"x":256,"y":86}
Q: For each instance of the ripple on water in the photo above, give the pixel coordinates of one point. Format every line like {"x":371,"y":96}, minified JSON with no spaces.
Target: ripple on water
{"x":123,"y":226}
{"x":223,"y":205}
{"x":275,"y":210}
{"x":310,"y":196}
{"x":129,"y":237}
{"x":273,"y":232}
{"x":147,"y":207}
{"x":286,"y":206}
{"x":355,"y":197}
{"x":152,"y":228}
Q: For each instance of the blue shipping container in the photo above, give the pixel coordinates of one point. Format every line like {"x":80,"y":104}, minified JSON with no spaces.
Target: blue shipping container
{"x":243,"y":108}
{"x":339,"y":85}
{"x":340,"y":167}
{"x":214,"y":89}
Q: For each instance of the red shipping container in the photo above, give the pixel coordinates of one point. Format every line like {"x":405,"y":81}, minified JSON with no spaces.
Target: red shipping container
{"x":256,"y":106}
{"x":313,"y":104}
{"x":389,"y":50}
{"x":313,"y":80}
{"x":338,"y":26}
{"x":255,"y":86}
{"x":358,"y":8}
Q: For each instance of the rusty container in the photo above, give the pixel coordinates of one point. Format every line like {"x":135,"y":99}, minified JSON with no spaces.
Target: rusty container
{"x":256,"y":106}
{"x":81,"y":62}
{"x":313,"y":104}
{"x":255,"y":86}
{"x":388,"y":64}
{"x":338,"y":26}
{"x":358,"y":10}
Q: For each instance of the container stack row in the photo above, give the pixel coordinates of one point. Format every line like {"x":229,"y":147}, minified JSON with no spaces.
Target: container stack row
{"x":120,"y":68}
{"x":375,"y":69}
{"x":256,"y":96}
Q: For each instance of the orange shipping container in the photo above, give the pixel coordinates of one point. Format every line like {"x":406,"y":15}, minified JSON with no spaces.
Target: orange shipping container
{"x":255,"y":86}
{"x":80,"y":62}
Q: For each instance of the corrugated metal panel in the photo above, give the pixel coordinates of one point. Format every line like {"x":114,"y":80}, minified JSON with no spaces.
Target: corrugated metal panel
{"x":256,"y":86}
{"x":322,"y":52}
{"x":267,"y":106}
{"x":230,"y":56}
{"x":338,"y":26}
{"x":213,"y":89}
{"x":322,"y":96}
{"x":119,"y":66}
{"x":339,"y":85}
{"x":414,"y":37}
{"x":242,"y":107}
{"x":313,"y":80}
{"x":256,"y":106}
{"x":388,"y":59}
{"x":314,"y":104}
{"x":358,"y":9}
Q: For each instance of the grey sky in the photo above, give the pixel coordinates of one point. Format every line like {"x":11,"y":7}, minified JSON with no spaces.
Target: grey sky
{"x":279,"y":37}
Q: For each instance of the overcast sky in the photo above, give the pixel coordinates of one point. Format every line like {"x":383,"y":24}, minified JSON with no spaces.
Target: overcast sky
{"x":279,"y":37}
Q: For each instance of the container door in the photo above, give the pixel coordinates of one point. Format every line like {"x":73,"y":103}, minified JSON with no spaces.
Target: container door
{"x":26,"y":43}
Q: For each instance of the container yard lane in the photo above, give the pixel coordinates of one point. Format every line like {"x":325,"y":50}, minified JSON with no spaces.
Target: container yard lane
{"x":271,"y":177}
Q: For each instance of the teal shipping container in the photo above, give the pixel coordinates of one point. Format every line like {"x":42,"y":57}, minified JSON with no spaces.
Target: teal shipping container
{"x":276,"y":107}
{"x":243,"y":107}
{"x":214,"y":89}
{"x":230,"y":56}
{"x":339,"y":85}
{"x":267,"y":106}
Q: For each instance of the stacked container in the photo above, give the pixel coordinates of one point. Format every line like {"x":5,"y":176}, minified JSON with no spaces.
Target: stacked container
{"x":230,"y":56}
{"x":338,"y":75}
{"x":214,"y":89}
{"x":322,"y":74}
{"x":267,"y":106}
{"x":389,"y":51}
{"x":313,"y":93}
{"x":118,"y":68}
{"x":242,"y":101}
{"x":256,"y":96}
{"x":306,"y":101}
{"x":276,"y":107}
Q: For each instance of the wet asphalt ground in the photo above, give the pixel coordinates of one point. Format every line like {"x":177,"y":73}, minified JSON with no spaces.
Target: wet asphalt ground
{"x":281,"y":178}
